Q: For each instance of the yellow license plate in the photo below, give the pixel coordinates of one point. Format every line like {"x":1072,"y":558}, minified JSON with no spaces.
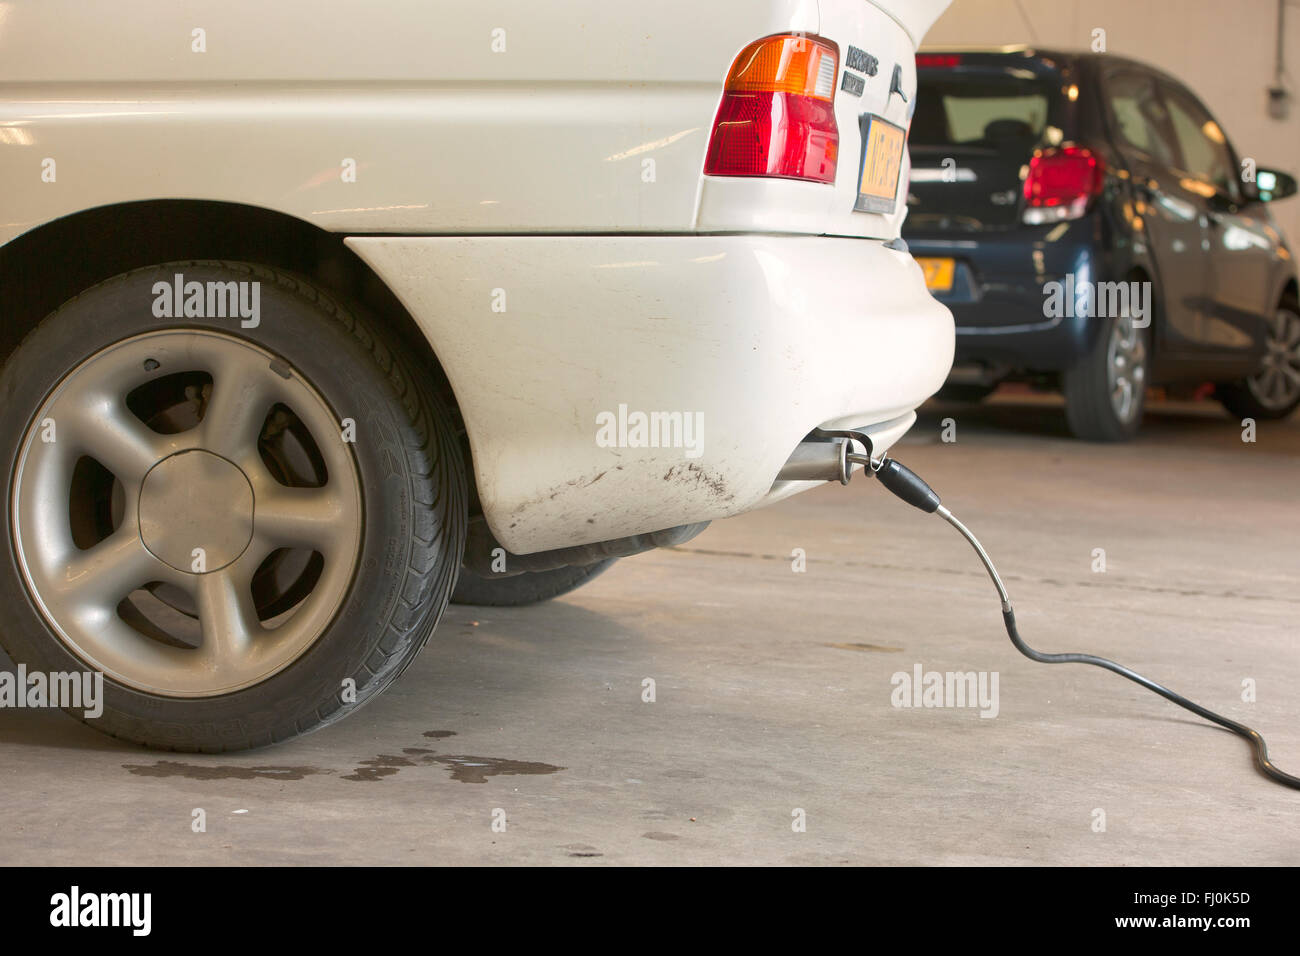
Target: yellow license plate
{"x":938,"y":273}
{"x":882,"y":160}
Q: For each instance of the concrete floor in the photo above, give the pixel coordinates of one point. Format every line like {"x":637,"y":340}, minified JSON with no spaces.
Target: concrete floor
{"x":774,"y":689}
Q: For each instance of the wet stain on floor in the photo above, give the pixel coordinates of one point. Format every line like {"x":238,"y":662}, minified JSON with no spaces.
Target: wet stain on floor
{"x":659,"y":835}
{"x":465,"y":768}
{"x":376,"y":768}
{"x":883,"y":648}
{"x":469,"y":769}
{"x":174,"y":768}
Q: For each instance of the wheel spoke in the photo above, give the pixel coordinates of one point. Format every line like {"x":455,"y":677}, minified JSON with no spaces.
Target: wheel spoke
{"x":1281,"y":386}
{"x":227,"y":617}
{"x":103,"y":575}
{"x":107,"y":430}
{"x":300,"y":517}
{"x":232,"y":420}
{"x":1125,"y":396}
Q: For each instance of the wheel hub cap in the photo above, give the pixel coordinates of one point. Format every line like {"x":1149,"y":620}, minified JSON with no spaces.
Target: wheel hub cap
{"x":196,"y":511}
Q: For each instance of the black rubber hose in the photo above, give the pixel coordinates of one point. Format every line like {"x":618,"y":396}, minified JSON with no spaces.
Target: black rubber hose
{"x":1254,"y":736}
{"x":908,"y":486}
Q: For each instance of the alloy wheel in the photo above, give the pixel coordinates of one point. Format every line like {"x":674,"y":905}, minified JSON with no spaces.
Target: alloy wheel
{"x":1126,"y":368}
{"x":186,"y":516}
{"x":1277,"y":383}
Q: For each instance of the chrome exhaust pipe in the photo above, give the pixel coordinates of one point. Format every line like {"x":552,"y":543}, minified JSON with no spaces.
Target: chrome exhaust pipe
{"x":818,"y":461}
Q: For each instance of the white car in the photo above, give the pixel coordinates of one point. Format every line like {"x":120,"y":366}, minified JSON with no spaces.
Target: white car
{"x":307,"y":305}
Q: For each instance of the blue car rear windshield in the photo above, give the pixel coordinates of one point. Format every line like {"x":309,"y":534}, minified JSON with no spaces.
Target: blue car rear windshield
{"x":979,"y":111}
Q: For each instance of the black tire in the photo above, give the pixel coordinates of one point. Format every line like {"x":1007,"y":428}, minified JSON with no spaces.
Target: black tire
{"x":1244,"y":398}
{"x":531,"y":587}
{"x":1236,"y":397}
{"x":408,"y":470}
{"x":1090,"y":406}
{"x":970,"y":394}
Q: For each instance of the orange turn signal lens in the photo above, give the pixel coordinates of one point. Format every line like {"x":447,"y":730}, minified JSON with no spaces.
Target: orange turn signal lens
{"x":798,"y":65}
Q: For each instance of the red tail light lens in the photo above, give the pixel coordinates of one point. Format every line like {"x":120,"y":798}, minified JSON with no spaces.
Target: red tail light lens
{"x":777,"y":116}
{"x":1060,"y":183}
{"x":932,"y":61}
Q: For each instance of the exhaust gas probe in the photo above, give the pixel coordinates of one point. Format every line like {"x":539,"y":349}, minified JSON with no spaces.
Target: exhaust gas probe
{"x":907,"y":485}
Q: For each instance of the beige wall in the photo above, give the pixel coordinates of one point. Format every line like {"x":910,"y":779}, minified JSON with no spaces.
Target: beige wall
{"x":1222,"y":49}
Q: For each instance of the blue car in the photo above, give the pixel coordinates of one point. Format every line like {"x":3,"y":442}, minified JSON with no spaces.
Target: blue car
{"x":1092,"y":228}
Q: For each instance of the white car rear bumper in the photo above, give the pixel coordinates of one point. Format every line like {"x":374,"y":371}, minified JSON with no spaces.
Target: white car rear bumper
{"x":553,"y":344}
